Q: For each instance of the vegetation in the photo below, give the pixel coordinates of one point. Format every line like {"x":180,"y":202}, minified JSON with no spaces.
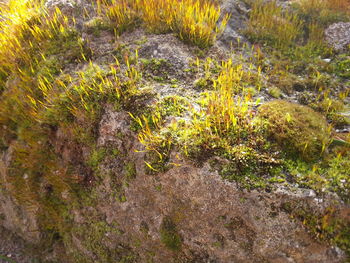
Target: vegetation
{"x":268,"y":22}
{"x":298,"y":129}
{"x":53,"y":93}
{"x":194,"y":21}
{"x":169,"y":235}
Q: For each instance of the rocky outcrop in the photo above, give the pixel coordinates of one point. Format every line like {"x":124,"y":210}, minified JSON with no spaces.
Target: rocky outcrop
{"x":187,"y":214}
{"x":103,"y":203}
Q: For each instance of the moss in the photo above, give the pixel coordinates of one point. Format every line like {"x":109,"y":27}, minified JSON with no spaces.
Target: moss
{"x":130,"y":170}
{"x":96,"y":157}
{"x":275,"y":92}
{"x":331,"y":175}
{"x":94,"y":238}
{"x":342,"y":67}
{"x":169,"y":234}
{"x":332,"y":225}
{"x":299,"y":130}
{"x":332,"y":109}
{"x":203,"y":83}
{"x":172,"y":106}
{"x":96,"y":25}
{"x":69,"y":46}
{"x":157,"y":69}
{"x":270,"y":24}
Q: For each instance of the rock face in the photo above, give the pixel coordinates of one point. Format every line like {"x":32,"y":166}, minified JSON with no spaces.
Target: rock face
{"x":239,"y":15}
{"x":338,"y":36}
{"x":187,"y":214}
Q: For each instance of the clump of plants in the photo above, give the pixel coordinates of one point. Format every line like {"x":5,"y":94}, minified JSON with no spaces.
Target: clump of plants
{"x":299,"y":130}
{"x":226,"y":125}
{"x":324,"y":11}
{"x":270,"y":24}
{"x":193,"y":21}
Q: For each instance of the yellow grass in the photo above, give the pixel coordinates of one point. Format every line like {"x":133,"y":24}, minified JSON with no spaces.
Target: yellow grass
{"x":193,"y":21}
{"x":268,"y":22}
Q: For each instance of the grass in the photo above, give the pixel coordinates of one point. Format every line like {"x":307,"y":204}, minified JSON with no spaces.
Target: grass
{"x":194,"y":21}
{"x":324,"y":12}
{"x":272,"y":25}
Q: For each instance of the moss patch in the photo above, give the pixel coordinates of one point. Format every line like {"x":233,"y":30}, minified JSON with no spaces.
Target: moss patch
{"x":169,"y":234}
{"x":299,"y":130}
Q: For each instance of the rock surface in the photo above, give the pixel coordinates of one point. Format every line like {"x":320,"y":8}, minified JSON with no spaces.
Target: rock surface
{"x":183,"y":214}
{"x":232,"y":36}
{"x":208,"y":219}
{"x":338,"y":36}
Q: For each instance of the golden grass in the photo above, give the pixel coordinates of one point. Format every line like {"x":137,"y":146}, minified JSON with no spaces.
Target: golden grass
{"x":23,"y":31}
{"x":324,"y":12}
{"x":270,"y":23}
{"x":194,"y":21}
{"x":325,"y":5}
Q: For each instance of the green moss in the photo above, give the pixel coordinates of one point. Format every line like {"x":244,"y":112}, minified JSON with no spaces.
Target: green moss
{"x":172,"y":106}
{"x":169,"y":235}
{"x":157,"y":69}
{"x":329,"y":226}
{"x":331,"y":175}
{"x":96,"y":25}
{"x":130,"y":170}
{"x":96,"y":157}
{"x":69,"y":46}
{"x":93,"y":236}
{"x":203,"y":83}
{"x":275,"y":92}
{"x":299,"y":130}
{"x":342,"y":66}
{"x":332,"y":109}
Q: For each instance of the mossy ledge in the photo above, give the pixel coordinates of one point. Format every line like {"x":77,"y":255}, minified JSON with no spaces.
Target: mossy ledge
{"x":174,"y":131}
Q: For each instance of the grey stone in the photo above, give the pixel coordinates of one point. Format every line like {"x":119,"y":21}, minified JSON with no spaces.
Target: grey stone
{"x":338,"y":36}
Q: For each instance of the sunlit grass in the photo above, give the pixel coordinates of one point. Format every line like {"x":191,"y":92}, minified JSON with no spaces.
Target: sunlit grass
{"x":193,"y":21}
{"x":325,"y":11}
{"x":269,"y":23}
{"x":224,"y":125}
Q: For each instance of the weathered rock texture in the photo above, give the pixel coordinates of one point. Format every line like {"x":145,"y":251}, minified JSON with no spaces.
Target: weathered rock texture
{"x":338,"y":36}
{"x":187,"y":214}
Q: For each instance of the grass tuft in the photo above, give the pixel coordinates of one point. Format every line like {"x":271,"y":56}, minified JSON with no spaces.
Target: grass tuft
{"x":194,"y":21}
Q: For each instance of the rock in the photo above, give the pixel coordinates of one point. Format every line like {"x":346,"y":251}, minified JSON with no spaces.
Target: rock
{"x":66,"y":6}
{"x":338,"y":36}
{"x":239,"y":15}
{"x":113,"y":127}
{"x":170,"y":49}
